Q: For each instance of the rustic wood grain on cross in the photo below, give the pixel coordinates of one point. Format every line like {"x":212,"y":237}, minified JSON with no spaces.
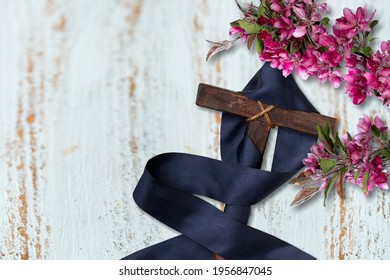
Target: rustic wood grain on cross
{"x":259,"y":127}
{"x":261,"y":117}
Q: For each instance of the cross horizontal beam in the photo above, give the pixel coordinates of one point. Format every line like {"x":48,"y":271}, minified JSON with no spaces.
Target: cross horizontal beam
{"x":236,"y":103}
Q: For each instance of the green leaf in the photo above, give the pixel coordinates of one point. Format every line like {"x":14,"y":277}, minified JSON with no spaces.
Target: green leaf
{"x":365,"y":182}
{"x":234,"y":23}
{"x":260,"y":11}
{"x":329,"y":186}
{"x":266,"y":9}
{"x":373,"y":23}
{"x":362,"y":55}
{"x":324,"y":138}
{"x":343,"y":170}
{"x":249,"y":27}
{"x":325,"y":21}
{"x":331,"y":137}
{"x":339,"y":143}
{"x":327,"y":165}
{"x":264,"y":3}
{"x":370,"y":40}
{"x":287,"y":48}
{"x":293,"y":48}
{"x":327,"y":129}
{"x":354,"y":49}
{"x":375,"y":131}
{"x":367,"y":51}
{"x":384,"y":136}
{"x":357,"y":174}
{"x":386,"y":153}
{"x":259,"y":46}
{"x":322,"y":49}
{"x":320,"y":131}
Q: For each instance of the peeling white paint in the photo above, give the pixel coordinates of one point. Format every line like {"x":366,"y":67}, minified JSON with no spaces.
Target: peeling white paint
{"x":90,"y":90}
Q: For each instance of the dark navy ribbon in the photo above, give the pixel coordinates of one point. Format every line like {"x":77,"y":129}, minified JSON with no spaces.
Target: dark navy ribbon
{"x":168,"y":187}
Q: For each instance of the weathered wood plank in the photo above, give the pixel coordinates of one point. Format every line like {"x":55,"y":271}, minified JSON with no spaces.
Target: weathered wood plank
{"x":89,"y":90}
{"x":235,"y":103}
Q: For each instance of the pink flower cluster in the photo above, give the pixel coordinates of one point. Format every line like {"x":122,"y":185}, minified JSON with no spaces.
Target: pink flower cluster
{"x":359,"y":160}
{"x":294,"y":39}
{"x":362,"y":150}
{"x":294,"y":36}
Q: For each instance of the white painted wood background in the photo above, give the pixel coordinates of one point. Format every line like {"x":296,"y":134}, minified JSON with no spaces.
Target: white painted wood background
{"x":90,"y":90}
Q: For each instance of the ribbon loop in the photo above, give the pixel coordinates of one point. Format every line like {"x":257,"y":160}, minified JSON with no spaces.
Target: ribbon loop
{"x":171,"y":183}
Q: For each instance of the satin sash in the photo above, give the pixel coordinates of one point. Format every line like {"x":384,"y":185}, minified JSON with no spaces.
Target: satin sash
{"x":168,"y":187}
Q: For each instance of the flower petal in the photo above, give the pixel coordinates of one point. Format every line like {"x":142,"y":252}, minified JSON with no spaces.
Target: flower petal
{"x":300,"y":31}
{"x":348,"y":14}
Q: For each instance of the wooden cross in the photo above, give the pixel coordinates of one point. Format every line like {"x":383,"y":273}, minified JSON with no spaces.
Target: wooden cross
{"x":261,"y":117}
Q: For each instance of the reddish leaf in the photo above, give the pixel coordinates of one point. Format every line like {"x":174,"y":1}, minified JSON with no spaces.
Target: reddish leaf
{"x":339,"y":187}
{"x":251,"y":40}
{"x":213,"y":50}
{"x":240,"y":7}
{"x":304,"y":195}
{"x":217,"y":47}
{"x":300,"y":180}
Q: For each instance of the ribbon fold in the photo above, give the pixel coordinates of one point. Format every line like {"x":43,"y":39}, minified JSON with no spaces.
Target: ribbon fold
{"x":168,"y":187}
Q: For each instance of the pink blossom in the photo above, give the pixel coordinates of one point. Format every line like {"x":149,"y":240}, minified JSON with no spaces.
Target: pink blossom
{"x":362,"y":138}
{"x":386,"y":97}
{"x":323,"y":7}
{"x":312,"y":160}
{"x":379,"y":124}
{"x":358,"y":149}
{"x":287,"y":65}
{"x":335,"y":79}
{"x":378,"y":74}
{"x":385,"y":46}
{"x":303,"y":72}
{"x":295,"y":37}
{"x":372,"y":80}
{"x":349,"y":25}
{"x":351,"y":61}
{"x":276,"y":6}
{"x":357,"y":86}
{"x":364,"y":125}
{"x":316,"y":31}
{"x":240,"y":31}
{"x":378,"y":177}
{"x":273,"y":50}
{"x":300,"y":31}
{"x":299,"y":12}
{"x":324,"y":184}
{"x":311,"y":164}
{"x":333,"y":58}
{"x":318,"y":150}
{"x":363,"y":18}
{"x":307,"y":64}
{"x":328,"y":41}
{"x":356,"y":152}
{"x":285,"y":26}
